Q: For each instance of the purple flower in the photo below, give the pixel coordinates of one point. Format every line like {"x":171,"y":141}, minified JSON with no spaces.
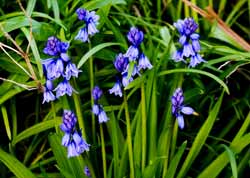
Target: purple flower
{"x":64,"y":88}
{"x":178,"y":108}
{"x":126,"y":80}
{"x":52,"y":46}
{"x":69,"y":121}
{"x":95,"y":109}
{"x":81,"y":144}
{"x":47,"y":94}
{"x":132,"y":53}
{"x":135,"y":36}
{"x":102,"y":117}
{"x":71,"y":70}
{"x":81,"y":13}
{"x":87,"y":172}
{"x":144,"y":63}
{"x":82,"y":35}
{"x":96,"y":93}
{"x":195,"y":60}
{"x":91,"y":21}
{"x":121,"y":62}
{"x":189,"y":41}
{"x":116,"y":89}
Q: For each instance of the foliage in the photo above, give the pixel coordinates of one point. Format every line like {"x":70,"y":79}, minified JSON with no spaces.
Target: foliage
{"x":141,"y":137}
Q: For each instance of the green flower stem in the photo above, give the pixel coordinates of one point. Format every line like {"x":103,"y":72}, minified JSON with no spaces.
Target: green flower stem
{"x":144,"y":127}
{"x":79,"y":114}
{"x":91,"y":78}
{"x":129,"y":139}
{"x":172,"y":131}
{"x":103,"y":153}
{"x":54,"y":115}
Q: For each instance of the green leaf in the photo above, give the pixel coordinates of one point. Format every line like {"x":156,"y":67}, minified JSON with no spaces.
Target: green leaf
{"x":35,"y":129}
{"x":6,"y":121}
{"x":56,"y":11}
{"x":231,"y":157}
{"x":30,"y":7}
{"x":200,"y":138}
{"x":16,"y":23}
{"x":175,"y":161}
{"x":196,"y":71}
{"x":96,"y":4}
{"x":15,"y":166}
{"x":93,"y":51}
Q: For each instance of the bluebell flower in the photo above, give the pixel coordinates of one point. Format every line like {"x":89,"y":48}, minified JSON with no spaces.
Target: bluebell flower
{"x":52,"y":46}
{"x":95,"y":109}
{"x":91,"y":21}
{"x":72,"y":139}
{"x":81,"y":144}
{"x":102,"y":117}
{"x":63,"y":88}
{"x":144,"y":63}
{"x":48,"y":94}
{"x":87,"y":172}
{"x":96,"y":93}
{"x":178,"y":108}
{"x":69,"y":121}
{"x":116,"y":89}
{"x":132,"y":53}
{"x":189,"y":41}
{"x":71,"y":70}
{"x":81,"y":13}
{"x":195,"y":60}
{"x":126,"y":80}
{"x":82,"y":35}
{"x":121,"y":62}
{"x":135,"y":36}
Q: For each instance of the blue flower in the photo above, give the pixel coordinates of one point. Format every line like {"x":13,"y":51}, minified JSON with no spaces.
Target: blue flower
{"x":195,"y":60}
{"x":132,"y":53}
{"x":96,"y":93}
{"x":91,"y":21}
{"x":135,"y":36}
{"x":81,"y":13}
{"x":95,"y":109}
{"x":178,"y":108}
{"x":144,"y":63}
{"x":71,"y":70}
{"x":81,"y":144}
{"x":116,"y":89}
{"x":126,"y":80}
{"x":189,"y":41}
{"x":102,"y":117}
{"x":69,"y":121}
{"x":87,"y":172}
{"x":121,"y":62}
{"x":52,"y":46}
{"x":47,"y":94}
{"x":82,"y":35}
{"x":63,"y":88}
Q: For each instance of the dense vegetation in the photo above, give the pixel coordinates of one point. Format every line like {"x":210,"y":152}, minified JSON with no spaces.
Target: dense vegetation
{"x":125,"y":88}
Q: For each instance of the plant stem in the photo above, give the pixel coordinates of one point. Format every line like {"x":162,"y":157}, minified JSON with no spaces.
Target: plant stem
{"x":144,"y":127}
{"x":129,"y":139}
{"x":91,"y":78}
{"x":54,"y":115}
{"x":103,"y":153}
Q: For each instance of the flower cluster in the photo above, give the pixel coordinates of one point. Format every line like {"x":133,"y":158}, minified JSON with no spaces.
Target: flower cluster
{"x":58,"y":67}
{"x":189,"y":41}
{"x":91,"y":21}
{"x":133,"y":59}
{"x":178,"y":108}
{"x":97,"y":109}
{"x":72,"y":139}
